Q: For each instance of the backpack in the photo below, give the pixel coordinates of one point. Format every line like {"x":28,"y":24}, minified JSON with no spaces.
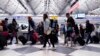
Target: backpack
{"x":69,"y":28}
{"x":92,"y":27}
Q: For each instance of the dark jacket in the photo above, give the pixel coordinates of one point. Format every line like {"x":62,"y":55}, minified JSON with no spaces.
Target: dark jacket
{"x":71,"y":21}
{"x":40,"y":30}
{"x":89,"y":28}
{"x":12,"y":28}
{"x":31,"y":24}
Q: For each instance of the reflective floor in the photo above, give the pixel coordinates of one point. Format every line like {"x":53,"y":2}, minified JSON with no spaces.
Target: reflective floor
{"x":61,"y":50}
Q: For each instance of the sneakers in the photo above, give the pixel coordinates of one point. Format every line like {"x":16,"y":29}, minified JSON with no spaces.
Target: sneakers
{"x":53,"y":48}
{"x":42,"y":48}
{"x":10,"y":43}
{"x":16,"y":43}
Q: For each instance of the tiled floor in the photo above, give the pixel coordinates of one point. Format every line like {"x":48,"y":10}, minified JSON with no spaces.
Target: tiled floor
{"x":61,"y":50}
{"x":88,"y":50}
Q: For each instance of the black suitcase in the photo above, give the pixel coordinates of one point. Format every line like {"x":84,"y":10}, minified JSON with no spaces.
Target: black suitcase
{"x":80,"y":41}
{"x":22,"y":39}
{"x":55,"y":39}
{"x":95,"y":39}
{"x":3,"y":42}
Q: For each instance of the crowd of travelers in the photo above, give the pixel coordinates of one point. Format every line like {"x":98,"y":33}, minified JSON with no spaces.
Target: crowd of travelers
{"x":47,"y":32}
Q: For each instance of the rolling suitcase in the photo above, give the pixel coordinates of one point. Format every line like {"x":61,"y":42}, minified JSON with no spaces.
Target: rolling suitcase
{"x":55,"y":38}
{"x":22,"y":39}
{"x":34,"y":37}
{"x":95,"y":39}
{"x":6,"y":35}
{"x":3,"y":42}
{"x":80,"y":41}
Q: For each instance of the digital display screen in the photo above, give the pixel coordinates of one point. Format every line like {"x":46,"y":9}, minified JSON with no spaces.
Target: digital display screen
{"x":80,"y":16}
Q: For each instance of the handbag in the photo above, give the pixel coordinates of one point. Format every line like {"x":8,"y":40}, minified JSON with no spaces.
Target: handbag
{"x":69,"y":29}
{"x":49,"y":31}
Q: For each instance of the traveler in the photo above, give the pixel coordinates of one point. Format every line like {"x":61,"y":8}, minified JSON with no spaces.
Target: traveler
{"x":13,"y":29}
{"x":47,"y":31}
{"x":89,"y":29}
{"x":70,"y":28}
{"x":5,"y":24}
{"x":31,"y":30}
{"x":81,"y":31}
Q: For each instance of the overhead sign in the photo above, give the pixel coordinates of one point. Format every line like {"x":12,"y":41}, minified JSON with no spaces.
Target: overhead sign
{"x":81,"y":16}
{"x":54,"y":17}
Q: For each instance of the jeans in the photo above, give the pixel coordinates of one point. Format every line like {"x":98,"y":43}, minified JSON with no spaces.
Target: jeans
{"x":89,"y":37}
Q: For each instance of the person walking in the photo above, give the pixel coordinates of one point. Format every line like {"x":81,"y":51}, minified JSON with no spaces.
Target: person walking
{"x":47,"y":31}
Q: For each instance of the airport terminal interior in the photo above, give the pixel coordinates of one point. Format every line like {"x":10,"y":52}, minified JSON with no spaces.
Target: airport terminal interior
{"x":49,"y":27}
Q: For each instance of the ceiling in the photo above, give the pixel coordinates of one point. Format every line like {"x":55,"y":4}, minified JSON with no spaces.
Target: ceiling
{"x":56,"y":7}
